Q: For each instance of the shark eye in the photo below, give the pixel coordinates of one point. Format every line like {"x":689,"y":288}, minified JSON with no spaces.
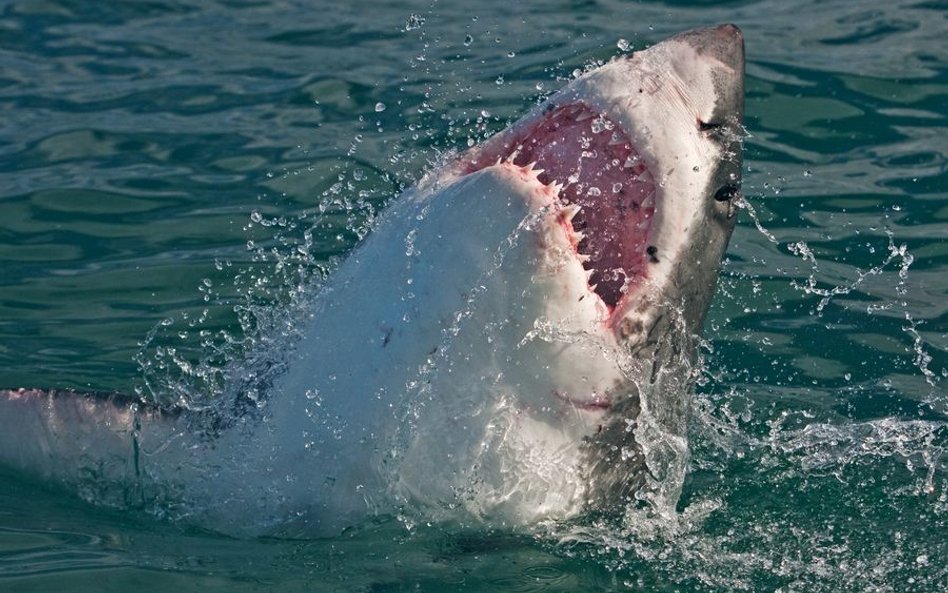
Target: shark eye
{"x":727,"y":192}
{"x":707,"y":126}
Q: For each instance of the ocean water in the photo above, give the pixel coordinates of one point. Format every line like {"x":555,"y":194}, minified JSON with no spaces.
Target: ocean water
{"x":161,"y":162}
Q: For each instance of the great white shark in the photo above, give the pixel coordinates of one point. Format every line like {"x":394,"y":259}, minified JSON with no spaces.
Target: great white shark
{"x":511,"y":344}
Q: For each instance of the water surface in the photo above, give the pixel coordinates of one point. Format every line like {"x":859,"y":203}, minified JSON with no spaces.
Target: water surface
{"x":160,"y":162}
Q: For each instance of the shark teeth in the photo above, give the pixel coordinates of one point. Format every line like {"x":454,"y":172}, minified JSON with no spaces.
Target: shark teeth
{"x":528,"y":169}
{"x":585,"y":160}
{"x":569,"y":212}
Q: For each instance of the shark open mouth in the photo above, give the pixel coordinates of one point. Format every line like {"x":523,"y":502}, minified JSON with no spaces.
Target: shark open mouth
{"x":600,"y":171}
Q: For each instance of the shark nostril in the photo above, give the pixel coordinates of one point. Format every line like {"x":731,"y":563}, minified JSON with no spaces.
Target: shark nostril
{"x":707,"y":126}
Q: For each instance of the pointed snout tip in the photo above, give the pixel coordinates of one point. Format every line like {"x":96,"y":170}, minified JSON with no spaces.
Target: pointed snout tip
{"x":729,"y":30}
{"x":731,"y":34}
{"x":723,"y":42}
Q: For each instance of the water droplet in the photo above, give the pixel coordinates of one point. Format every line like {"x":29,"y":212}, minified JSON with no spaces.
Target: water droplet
{"x":415,"y":21}
{"x":468,"y":40}
{"x":379,"y":107}
{"x":601,"y":124}
{"x":624,"y":45}
{"x":500,"y":79}
{"x":410,"y":243}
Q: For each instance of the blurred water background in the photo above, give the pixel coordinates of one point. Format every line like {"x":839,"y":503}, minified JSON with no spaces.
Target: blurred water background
{"x":162,"y":164}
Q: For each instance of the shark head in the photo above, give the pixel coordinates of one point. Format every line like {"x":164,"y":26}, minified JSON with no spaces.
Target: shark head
{"x":623,"y":189}
{"x":495,"y":343}
{"x":642,"y":158}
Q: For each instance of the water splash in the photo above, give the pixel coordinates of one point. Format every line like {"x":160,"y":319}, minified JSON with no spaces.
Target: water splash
{"x":811,"y":286}
{"x":185,"y":363}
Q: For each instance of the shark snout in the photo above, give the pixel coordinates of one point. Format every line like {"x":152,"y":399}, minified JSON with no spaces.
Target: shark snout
{"x":724,"y":43}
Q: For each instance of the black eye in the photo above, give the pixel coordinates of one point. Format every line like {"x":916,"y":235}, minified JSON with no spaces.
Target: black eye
{"x":707,"y":126}
{"x":728,"y":192}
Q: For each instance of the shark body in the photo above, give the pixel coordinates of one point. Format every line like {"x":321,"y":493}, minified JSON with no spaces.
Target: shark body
{"x":510,"y":344}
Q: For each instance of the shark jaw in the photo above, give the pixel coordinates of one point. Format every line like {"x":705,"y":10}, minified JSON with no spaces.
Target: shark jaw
{"x":645,"y":155}
{"x":644,"y":158}
{"x":629,"y":177}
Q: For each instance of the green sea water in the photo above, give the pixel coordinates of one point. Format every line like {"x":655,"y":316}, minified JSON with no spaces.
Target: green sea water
{"x":171,"y":170}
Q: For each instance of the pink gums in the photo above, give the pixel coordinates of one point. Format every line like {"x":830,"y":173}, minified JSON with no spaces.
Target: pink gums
{"x":600,"y":171}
